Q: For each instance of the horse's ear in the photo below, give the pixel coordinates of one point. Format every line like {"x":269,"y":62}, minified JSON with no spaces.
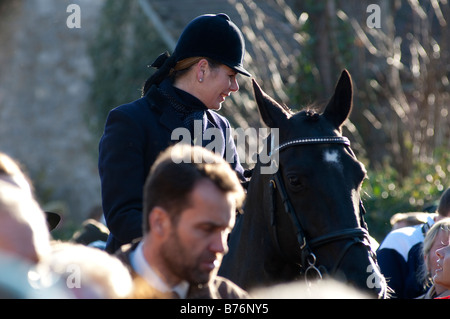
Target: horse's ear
{"x":272,"y":113}
{"x":340,"y":105}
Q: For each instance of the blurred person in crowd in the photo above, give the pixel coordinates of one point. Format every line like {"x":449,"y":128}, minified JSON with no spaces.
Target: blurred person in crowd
{"x":23,"y":225}
{"x":11,"y":171}
{"x":442,"y":273}
{"x":188,"y":88}
{"x":89,"y":273}
{"x":190,"y":201}
{"x":93,"y":232}
{"x":400,"y":220}
{"x":400,"y":257}
{"x":23,"y":279}
{"x":436,"y":238}
{"x":24,"y":238}
{"x":327,"y":288}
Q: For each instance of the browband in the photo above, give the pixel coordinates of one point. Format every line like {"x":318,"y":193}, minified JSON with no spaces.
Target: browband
{"x":313,"y":140}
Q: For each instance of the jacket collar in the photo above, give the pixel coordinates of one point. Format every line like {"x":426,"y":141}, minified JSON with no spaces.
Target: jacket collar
{"x":168,"y":117}
{"x":161,"y":105}
{"x":145,"y":270}
{"x":208,"y":291}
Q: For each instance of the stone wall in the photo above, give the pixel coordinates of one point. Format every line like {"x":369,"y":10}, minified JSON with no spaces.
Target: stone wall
{"x":44,"y":88}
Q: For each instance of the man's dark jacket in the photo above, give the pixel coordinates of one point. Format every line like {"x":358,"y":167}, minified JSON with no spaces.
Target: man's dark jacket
{"x":134,"y":136}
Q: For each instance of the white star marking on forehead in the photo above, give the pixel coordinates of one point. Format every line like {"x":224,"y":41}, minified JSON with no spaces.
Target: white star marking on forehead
{"x":331,"y":157}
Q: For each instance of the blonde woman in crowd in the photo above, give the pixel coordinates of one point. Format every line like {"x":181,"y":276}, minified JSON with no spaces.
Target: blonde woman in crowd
{"x":436,"y":238}
{"x":442,"y":273}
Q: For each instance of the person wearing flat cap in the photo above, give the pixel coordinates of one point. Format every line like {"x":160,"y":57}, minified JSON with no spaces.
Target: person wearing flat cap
{"x":185,"y":92}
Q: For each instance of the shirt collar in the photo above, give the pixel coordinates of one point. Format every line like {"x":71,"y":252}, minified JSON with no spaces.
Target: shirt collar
{"x":142,"y":268}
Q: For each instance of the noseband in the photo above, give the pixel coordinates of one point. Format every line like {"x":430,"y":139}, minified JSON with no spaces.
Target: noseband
{"x":354,"y":236}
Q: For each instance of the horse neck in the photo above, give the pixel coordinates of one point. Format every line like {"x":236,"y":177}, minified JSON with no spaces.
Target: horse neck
{"x":262,"y":253}
{"x":255,"y":220}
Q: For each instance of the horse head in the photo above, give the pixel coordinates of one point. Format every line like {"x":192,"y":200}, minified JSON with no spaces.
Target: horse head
{"x":310,"y":201}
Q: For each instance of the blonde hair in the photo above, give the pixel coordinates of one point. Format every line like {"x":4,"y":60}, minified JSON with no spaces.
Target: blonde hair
{"x":17,"y":202}
{"x":184,"y":65}
{"x":102,"y":275}
{"x":11,"y":171}
{"x":17,"y":206}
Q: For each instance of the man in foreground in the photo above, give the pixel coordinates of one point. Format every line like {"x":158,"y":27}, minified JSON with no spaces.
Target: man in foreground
{"x":190,"y":201}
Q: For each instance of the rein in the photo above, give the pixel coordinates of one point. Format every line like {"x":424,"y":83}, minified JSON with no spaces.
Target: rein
{"x":308,"y":260}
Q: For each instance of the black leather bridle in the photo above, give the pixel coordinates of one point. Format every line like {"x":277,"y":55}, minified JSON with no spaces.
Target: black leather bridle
{"x":358,"y":235}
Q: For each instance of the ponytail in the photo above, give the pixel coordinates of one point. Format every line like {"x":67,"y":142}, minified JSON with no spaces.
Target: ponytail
{"x":164,"y":64}
{"x":167,"y":66}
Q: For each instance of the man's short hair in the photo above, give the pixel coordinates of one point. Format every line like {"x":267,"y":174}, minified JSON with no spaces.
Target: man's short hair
{"x":444,"y":204}
{"x":175,"y":173}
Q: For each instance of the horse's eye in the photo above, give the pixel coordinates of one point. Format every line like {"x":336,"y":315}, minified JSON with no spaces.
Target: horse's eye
{"x":295,"y":182}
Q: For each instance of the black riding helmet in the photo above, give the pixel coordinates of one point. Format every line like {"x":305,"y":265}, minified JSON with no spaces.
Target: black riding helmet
{"x":213,"y":36}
